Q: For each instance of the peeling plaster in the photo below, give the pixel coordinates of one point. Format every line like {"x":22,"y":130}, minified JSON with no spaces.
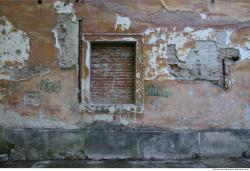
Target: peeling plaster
{"x":122,"y":23}
{"x":14,"y":44}
{"x":181,"y":38}
{"x":185,"y":43}
{"x":63,"y":8}
{"x":66,"y":34}
{"x":178,"y":38}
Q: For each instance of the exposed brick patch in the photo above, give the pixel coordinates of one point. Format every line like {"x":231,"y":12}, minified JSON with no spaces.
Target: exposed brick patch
{"x":113,"y":73}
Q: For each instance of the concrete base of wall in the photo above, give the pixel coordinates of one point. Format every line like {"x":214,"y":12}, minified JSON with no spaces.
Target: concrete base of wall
{"x":120,"y":142}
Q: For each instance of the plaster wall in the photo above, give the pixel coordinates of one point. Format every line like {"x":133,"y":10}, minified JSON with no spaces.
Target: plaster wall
{"x":183,"y":44}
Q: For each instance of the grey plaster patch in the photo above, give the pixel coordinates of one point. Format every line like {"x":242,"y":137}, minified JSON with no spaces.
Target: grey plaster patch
{"x":221,"y":144}
{"x":36,"y":145}
{"x":111,"y":146}
{"x":158,"y":145}
{"x":205,"y":63}
{"x":66,"y":35}
{"x":202,"y":63}
{"x":221,"y":37}
{"x":189,"y":144}
{"x":66,"y":145}
{"x":108,"y":141}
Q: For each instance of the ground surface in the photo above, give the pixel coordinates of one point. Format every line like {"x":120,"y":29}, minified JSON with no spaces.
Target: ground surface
{"x":201,"y":163}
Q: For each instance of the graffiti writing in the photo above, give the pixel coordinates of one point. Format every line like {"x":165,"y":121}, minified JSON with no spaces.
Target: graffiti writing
{"x":152,"y":90}
{"x":51,"y":86}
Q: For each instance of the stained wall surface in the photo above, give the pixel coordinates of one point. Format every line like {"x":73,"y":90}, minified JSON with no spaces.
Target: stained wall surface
{"x":196,"y":65}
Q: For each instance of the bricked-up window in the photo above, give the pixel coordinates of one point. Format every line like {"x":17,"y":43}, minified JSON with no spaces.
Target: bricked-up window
{"x":112,"y":73}
{"x":112,"y":79}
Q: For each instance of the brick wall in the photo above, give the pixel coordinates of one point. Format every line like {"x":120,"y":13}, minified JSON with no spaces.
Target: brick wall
{"x":112,"y":73}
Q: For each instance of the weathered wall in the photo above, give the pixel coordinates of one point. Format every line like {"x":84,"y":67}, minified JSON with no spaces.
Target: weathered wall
{"x":196,"y":61}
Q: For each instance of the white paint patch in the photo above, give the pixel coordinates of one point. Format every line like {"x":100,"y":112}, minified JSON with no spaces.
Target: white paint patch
{"x":129,"y":39}
{"x":63,"y":8}
{"x":188,"y":29}
{"x":229,"y":37}
{"x":112,"y":109}
{"x":122,"y":22}
{"x":204,"y":16}
{"x":14,"y":44}
{"x":203,"y":34}
{"x":58,"y":46}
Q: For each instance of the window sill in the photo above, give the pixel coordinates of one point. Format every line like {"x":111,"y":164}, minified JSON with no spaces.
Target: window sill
{"x":116,"y":108}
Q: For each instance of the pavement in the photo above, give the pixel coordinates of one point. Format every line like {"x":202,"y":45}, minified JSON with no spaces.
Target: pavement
{"x":197,"y":163}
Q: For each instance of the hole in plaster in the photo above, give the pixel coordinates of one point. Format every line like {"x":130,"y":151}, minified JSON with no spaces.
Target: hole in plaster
{"x":39,"y":1}
{"x":18,"y":51}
